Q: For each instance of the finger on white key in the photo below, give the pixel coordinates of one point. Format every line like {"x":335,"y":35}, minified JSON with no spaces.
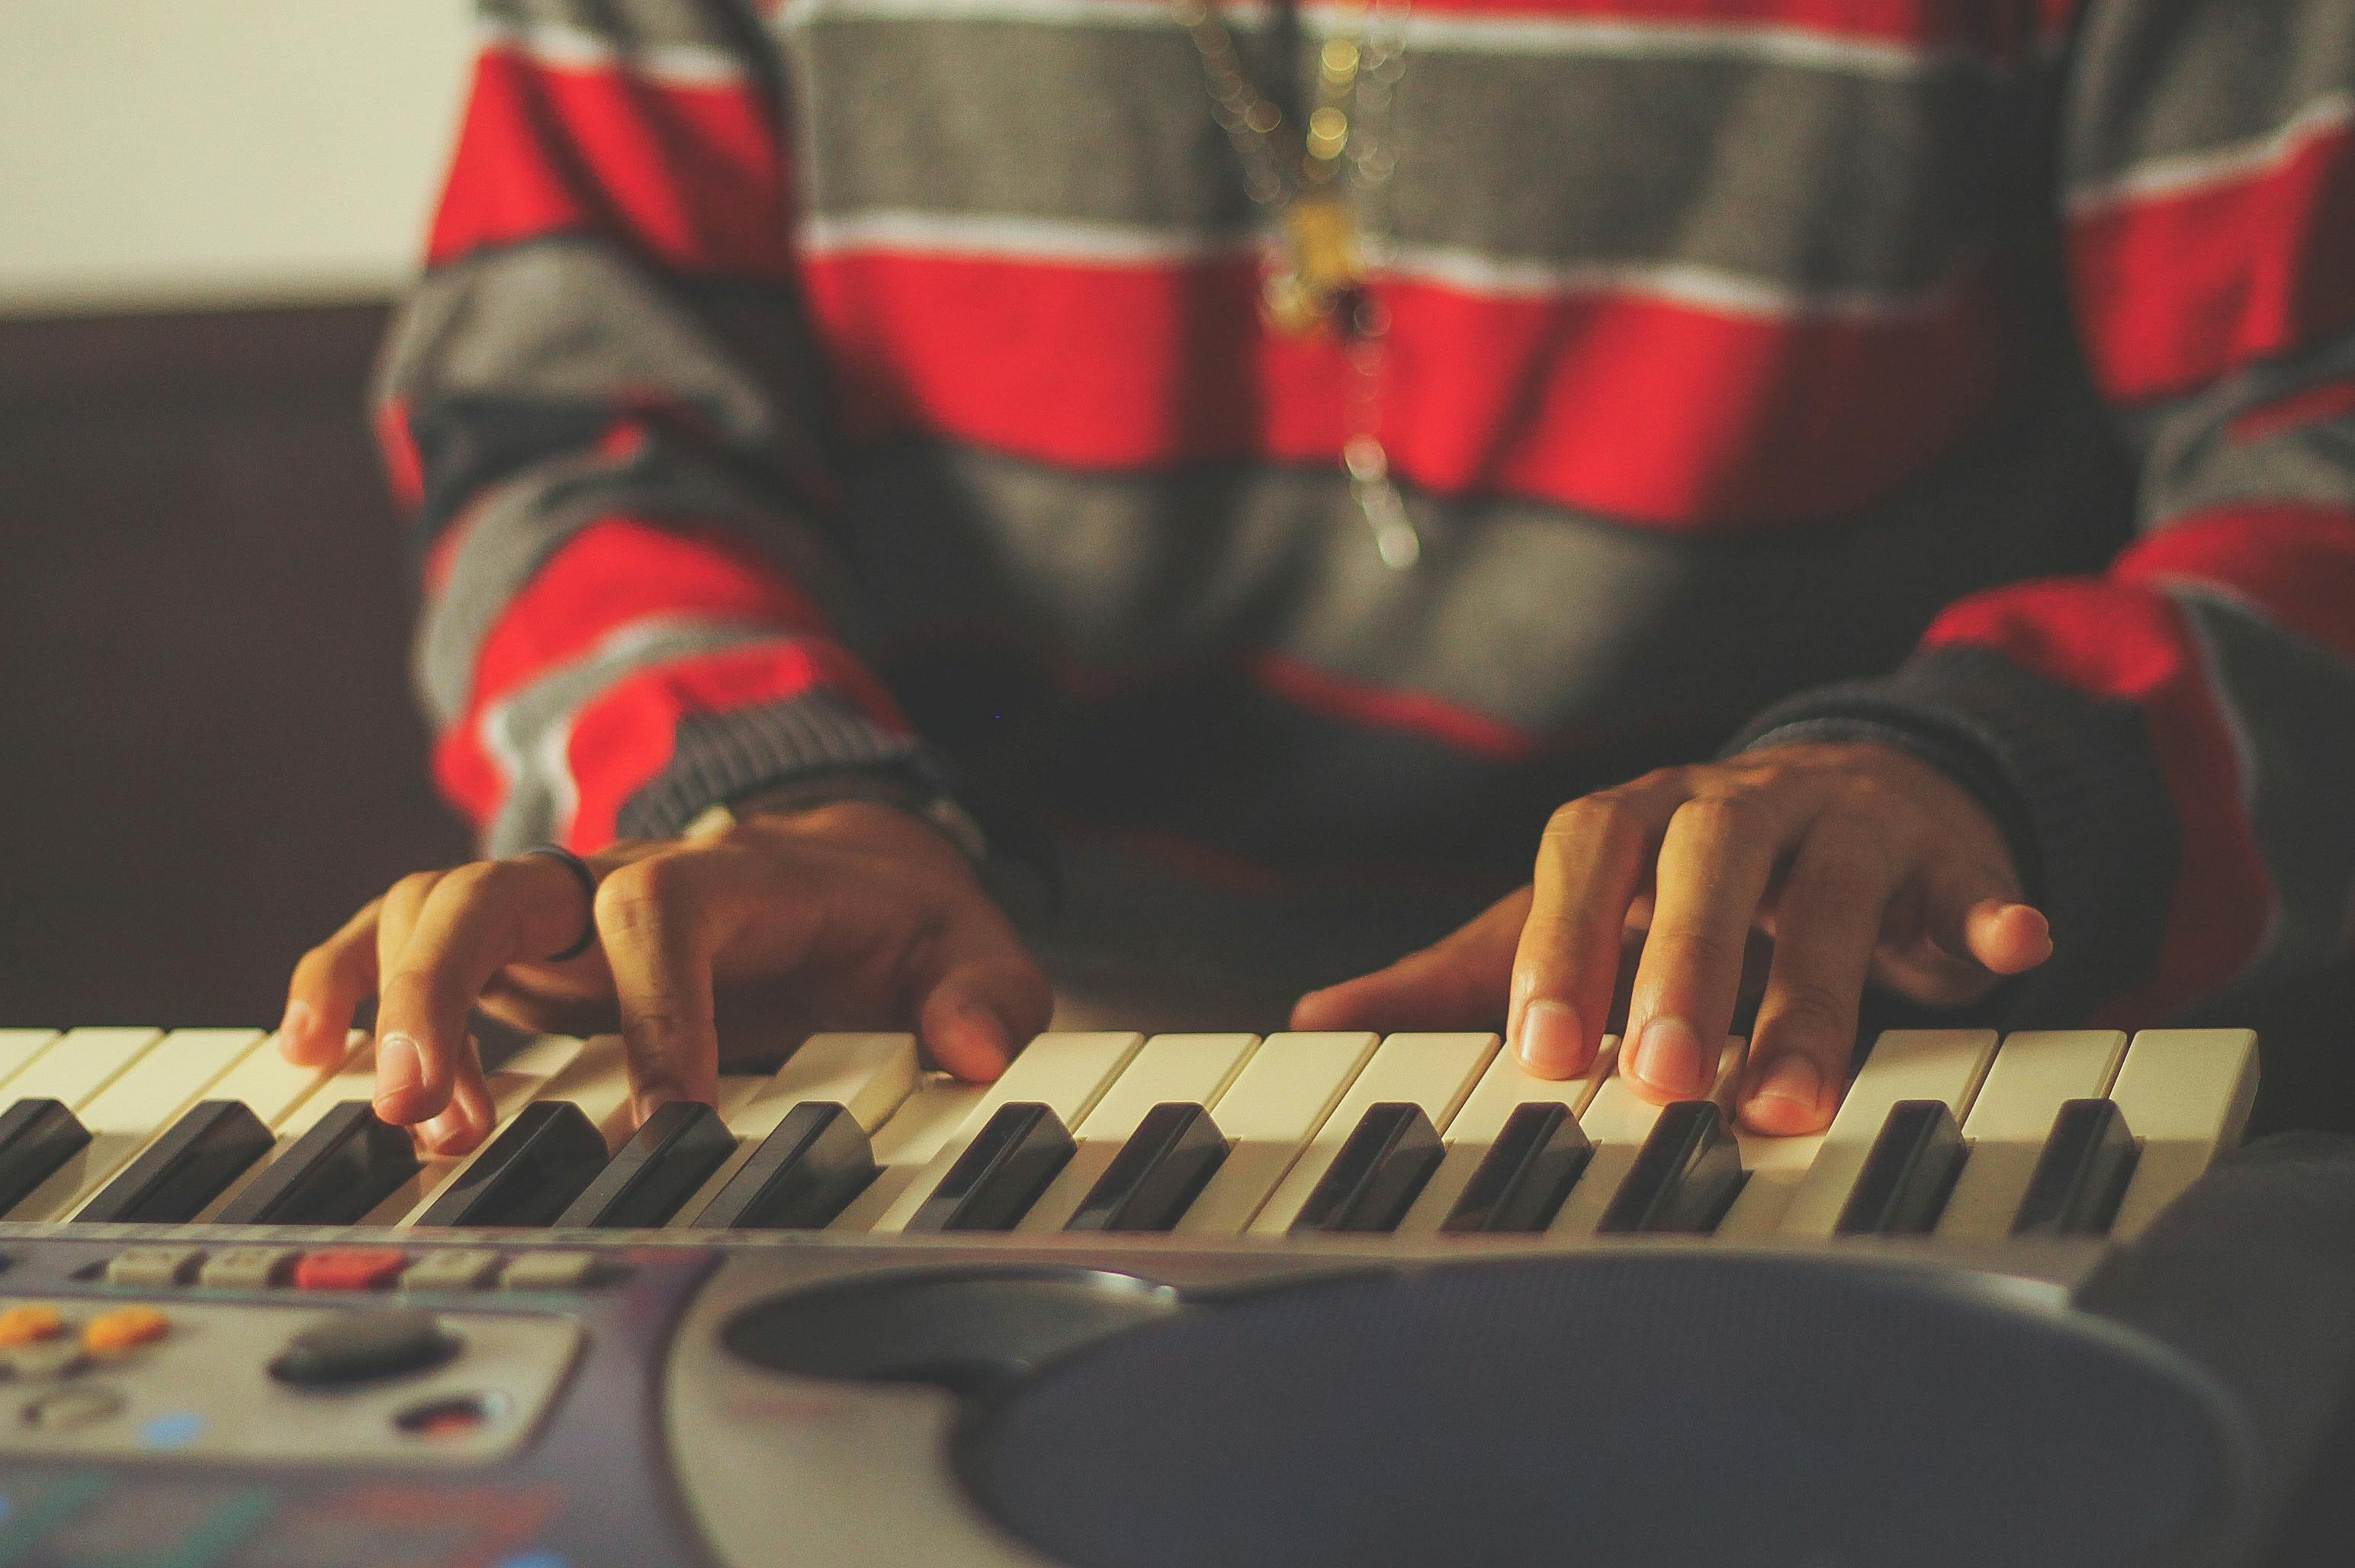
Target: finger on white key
{"x":1504,"y":1088}
{"x":1433,"y":1072}
{"x":1190,"y":1068}
{"x":1616,"y":1121}
{"x":1946,"y":1065}
{"x":515,"y":1083}
{"x":871,"y":1074}
{"x":2035,"y":1073}
{"x":927,"y":1125}
{"x":138,"y":1105}
{"x":1065,"y":1072}
{"x":1268,"y":1115}
{"x":2185,"y":1094}
{"x":302,"y":1108}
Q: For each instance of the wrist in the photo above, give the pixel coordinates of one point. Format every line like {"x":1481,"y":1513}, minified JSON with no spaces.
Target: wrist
{"x":892,"y":790}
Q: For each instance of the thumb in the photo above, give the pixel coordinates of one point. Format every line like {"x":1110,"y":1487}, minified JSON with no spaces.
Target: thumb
{"x":1981,"y":921}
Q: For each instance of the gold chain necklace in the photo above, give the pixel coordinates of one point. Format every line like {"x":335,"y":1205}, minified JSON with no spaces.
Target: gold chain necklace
{"x":1316,"y":279}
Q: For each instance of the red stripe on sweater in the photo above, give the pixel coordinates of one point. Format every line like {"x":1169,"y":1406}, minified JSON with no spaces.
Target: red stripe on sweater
{"x":619,"y":572}
{"x":2296,"y":565}
{"x":690,"y":177}
{"x":2175,"y":290}
{"x":403,"y":464}
{"x":627,"y":734}
{"x":1658,"y":413}
{"x":1491,"y":740}
{"x":2119,"y":642}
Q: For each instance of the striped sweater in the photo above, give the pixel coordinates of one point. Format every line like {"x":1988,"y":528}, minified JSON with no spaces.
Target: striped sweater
{"x":790,"y":382}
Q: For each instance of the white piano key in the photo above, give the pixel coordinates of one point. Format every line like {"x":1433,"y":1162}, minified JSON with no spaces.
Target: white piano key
{"x":1616,"y":1121}
{"x":271,"y":1086}
{"x":514,"y":1084}
{"x":1065,"y":1072}
{"x":1945,"y":1064}
{"x":356,"y":1079}
{"x":1283,"y":1094}
{"x":136,"y":1107}
{"x":18,"y":1047}
{"x":928,"y":1123}
{"x":2035,"y":1071}
{"x":597,"y":1080}
{"x":2185,"y":1093}
{"x":1503,"y":1089}
{"x":868,"y":1074}
{"x":1193,"y":1068}
{"x":79,"y":1063}
{"x":1435,"y":1071}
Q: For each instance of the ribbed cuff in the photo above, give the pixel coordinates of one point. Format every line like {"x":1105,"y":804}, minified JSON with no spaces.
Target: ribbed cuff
{"x":717,"y":757}
{"x":721,"y":757}
{"x":2070,"y":779}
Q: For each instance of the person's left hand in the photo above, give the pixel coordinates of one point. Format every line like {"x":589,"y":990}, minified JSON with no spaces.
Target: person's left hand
{"x":1858,"y":860}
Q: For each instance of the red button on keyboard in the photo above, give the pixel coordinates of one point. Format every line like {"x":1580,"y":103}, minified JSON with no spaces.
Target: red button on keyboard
{"x":350,"y":1269}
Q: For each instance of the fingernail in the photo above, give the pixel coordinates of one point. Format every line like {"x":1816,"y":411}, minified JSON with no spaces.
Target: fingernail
{"x":1551,"y":1039}
{"x":398,"y":1068}
{"x":297,"y":1025}
{"x":1668,"y":1057}
{"x":1790,"y":1077}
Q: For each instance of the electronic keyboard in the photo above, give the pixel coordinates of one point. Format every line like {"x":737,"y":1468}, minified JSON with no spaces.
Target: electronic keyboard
{"x":823,"y":1319}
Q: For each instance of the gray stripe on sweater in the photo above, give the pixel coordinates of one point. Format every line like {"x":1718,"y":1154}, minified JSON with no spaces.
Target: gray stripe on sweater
{"x":1686,"y":163}
{"x":1525,"y":615}
{"x":2277,"y":687}
{"x":632,"y":24}
{"x":2197,"y":465}
{"x":2156,"y":81}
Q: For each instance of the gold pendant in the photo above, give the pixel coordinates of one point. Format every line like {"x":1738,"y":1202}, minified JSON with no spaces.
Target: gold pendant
{"x":1318,"y":269}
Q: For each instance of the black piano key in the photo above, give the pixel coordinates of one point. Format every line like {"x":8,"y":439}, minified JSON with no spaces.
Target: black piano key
{"x":803,"y":1173}
{"x":1526,"y":1175}
{"x":1376,"y":1176}
{"x":1001,"y":1173}
{"x":1908,"y":1175}
{"x":2082,"y":1174}
{"x":37,"y":1138}
{"x":1683,"y":1178}
{"x":192,"y":1164}
{"x":665,"y":1162}
{"x":530,"y":1173}
{"x":1165,"y":1165}
{"x":333,"y":1174}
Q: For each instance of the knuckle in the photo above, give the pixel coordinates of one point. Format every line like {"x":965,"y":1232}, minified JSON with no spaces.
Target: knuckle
{"x":640,"y":896}
{"x":1732,"y":816}
{"x":414,"y":990}
{"x":412,"y":888}
{"x":1811,"y":1010}
{"x":1704,"y":950}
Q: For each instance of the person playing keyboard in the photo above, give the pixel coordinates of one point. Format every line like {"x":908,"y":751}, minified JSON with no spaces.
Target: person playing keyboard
{"x":1878,"y":479}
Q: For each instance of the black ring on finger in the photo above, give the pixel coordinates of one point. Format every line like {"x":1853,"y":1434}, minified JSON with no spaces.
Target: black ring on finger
{"x":588,"y":880}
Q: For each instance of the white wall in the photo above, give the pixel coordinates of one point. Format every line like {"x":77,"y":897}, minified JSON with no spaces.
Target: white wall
{"x":175,"y":154}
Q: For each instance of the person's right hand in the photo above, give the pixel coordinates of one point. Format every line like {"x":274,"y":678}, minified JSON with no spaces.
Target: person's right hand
{"x":848,"y":915}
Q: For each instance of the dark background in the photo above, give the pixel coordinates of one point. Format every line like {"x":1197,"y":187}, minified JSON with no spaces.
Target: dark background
{"x":208,"y":757}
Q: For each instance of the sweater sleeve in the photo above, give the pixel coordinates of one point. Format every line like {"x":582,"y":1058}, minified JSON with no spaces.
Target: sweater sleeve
{"x":601,"y":405}
{"x":2173,"y":741}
